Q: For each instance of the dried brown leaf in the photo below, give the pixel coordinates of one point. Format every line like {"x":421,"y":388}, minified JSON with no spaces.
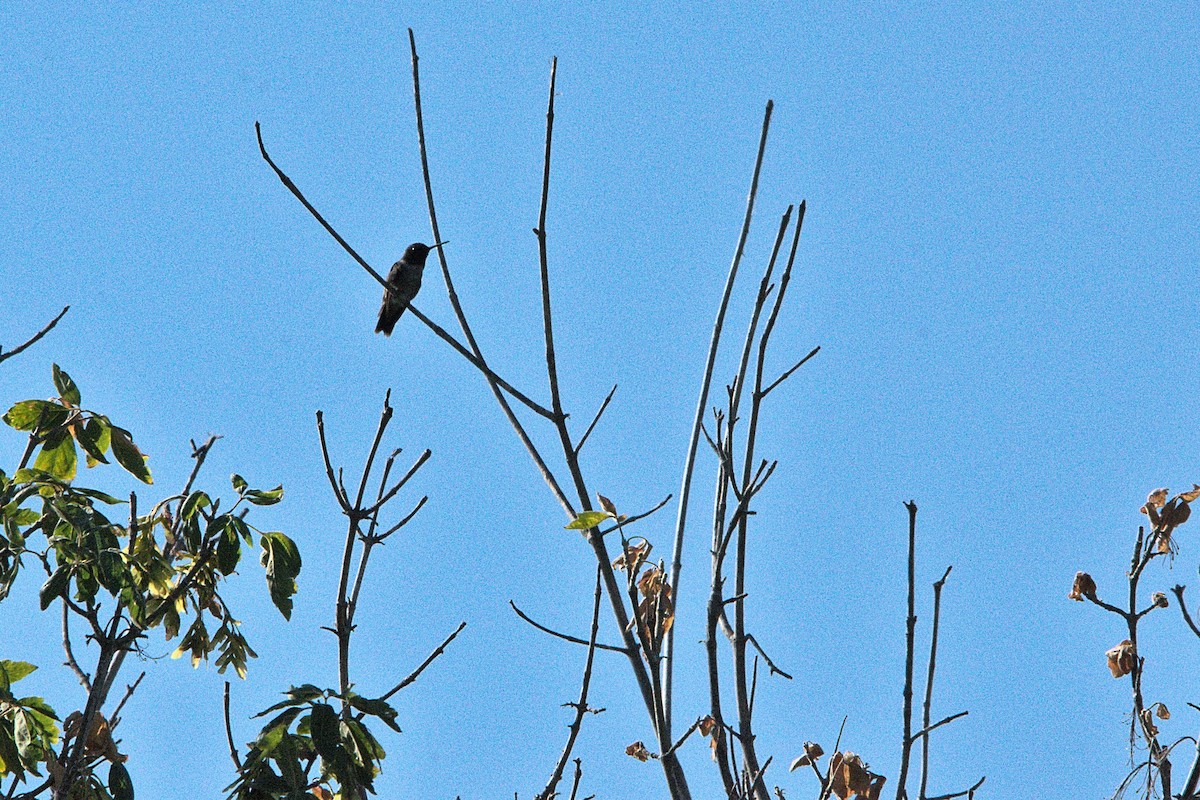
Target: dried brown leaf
{"x":1160,"y":711}
{"x":1121,"y":659}
{"x":707,"y":724}
{"x":638,"y":750}
{"x":1159,"y":599}
{"x":1083,"y":587}
{"x":1189,"y":497}
{"x":1158,"y":497}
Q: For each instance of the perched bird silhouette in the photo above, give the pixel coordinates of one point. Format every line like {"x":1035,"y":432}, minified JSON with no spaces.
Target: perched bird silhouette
{"x":405,"y":281}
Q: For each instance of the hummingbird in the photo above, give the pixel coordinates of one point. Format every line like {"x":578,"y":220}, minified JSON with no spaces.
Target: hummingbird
{"x":405,"y":281}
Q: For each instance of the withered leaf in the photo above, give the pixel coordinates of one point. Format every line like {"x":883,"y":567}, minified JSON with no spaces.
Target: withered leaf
{"x":1175,"y":513}
{"x":1160,"y":711}
{"x":321,"y":793}
{"x":635,"y":555}
{"x":638,"y":750}
{"x":706,"y":725}
{"x":1160,"y":600}
{"x":812,"y":751}
{"x":1158,"y":497}
{"x":1121,"y":659}
{"x":1189,"y":497}
{"x":1083,"y":587}
{"x":1148,"y":722}
{"x":607,"y":504}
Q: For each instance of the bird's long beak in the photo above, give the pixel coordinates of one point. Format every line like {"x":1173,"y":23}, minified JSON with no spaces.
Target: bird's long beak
{"x":439,"y":244}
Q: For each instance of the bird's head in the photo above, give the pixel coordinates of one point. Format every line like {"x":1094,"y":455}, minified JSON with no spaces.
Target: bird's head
{"x":416,"y":253}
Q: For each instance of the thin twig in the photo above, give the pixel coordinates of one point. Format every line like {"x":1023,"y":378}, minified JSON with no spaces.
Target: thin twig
{"x":581,"y":707}
{"x":702,"y":404}
{"x":928,"y":706}
{"x":595,"y":419}
{"x":20,"y":348}
{"x":788,"y":374}
{"x":115,"y":717}
{"x":564,"y":636}
{"x":636,"y":517}
{"x":416,"y":673}
{"x":84,"y":680}
{"x":770,"y":664}
{"x":924,"y":732}
{"x":233,"y":753}
{"x":964,"y":793}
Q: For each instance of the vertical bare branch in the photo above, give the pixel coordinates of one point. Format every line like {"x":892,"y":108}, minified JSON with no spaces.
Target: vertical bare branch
{"x":907,"y":741}
{"x":581,"y":707}
{"x":933,"y":642}
{"x":701,"y":407}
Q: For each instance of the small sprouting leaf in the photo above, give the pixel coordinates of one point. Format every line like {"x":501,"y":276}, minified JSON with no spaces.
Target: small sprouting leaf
{"x":239,"y":483}
{"x":587,"y":520}
{"x":66,"y":387}
{"x":129,"y":456}
{"x":57,"y":456}
{"x":119,"y":783}
{"x":55,"y":586}
{"x":264,"y":497}
{"x":607,"y":504}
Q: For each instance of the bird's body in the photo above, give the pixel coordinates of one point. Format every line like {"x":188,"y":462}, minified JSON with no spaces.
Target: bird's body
{"x":405,"y":281}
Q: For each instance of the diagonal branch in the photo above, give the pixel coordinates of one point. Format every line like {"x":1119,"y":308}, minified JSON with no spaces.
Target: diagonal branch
{"x":22,"y":347}
{"x":702,"y":404}
{"x":474,"y":357}
{"x":564,"y":636}
{"x":416,"y":673}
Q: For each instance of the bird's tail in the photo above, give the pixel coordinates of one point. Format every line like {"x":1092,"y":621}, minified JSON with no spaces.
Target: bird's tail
{"x":389,"y":315}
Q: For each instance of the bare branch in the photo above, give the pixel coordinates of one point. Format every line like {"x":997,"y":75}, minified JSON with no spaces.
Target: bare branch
{"x":907,"y":741}
{"x":84,"y":680}
{"x":33,"y":340}
{"x":474,"y":358}
{"x":233,"y":753}
{"x":595,"y":419}
{"x":928,"y":707}
{"x":115,"y":717}
{"x":581,"y":707}
{"x":637,"y":517}
{"x":788,"y":374}
{"x":416,"y":673}
{"x":943,"y":721}
{"x":564,"y":636}
{"x":702,"y":404}
{"x":964,"y":793}
{"x":770,"y":664}
{"x":1178,"y":590}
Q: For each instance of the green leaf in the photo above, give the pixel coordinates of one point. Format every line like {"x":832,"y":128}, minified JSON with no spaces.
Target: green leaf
{"x":55,"y":586}
{"x":66,"y":387}
{"x":195,"y":501}
{"x":282,"y":562}
{"x":229,"y":551}
{"x":239,"y":483}
{"x":58,"y":456}
{"x":323,"y":724}
{"x":13,"y":671}
{"x":377,"y":708}
{"x":264,"y":497}
{"x":95,"y":438}
{"x":119,"y":782}
{"x":587,"y":520}
{"x":24,"y":415}
{"x":128,"y":455}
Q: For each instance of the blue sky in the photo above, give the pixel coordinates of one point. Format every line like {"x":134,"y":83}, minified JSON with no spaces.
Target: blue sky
{"x":998,"y":261}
